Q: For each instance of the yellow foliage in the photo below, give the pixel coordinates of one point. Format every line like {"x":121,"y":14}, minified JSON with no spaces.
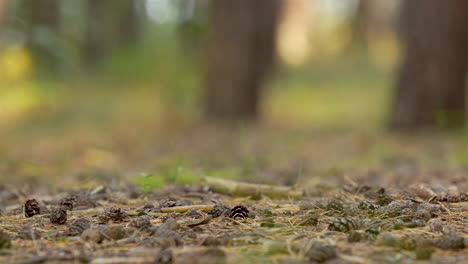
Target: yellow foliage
{"x":15,"y":64}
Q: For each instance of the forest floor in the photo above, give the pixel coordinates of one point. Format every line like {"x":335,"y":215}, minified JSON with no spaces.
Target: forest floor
{"x":313,"y":196}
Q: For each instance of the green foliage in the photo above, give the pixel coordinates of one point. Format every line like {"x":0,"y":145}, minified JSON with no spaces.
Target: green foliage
{"x":179,"y":173}
{"x":150,"y":182}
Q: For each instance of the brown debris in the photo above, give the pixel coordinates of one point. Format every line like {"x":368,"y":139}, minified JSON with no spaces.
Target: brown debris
{"x":114,"y":214}
{"x":5,"y":240}
{"x":450,"y":241}
{"x":31,"y":208}
{"x":58,"y":216}
{"x":320,"y":252}
{"x":163,"y":257}
{"x":29,"y":233}
{"x":168,"y":202}
{"x":77,"y":227}
{"x":117,"y":232}
{"x":220,"y":210}
{"x":142,"y":222}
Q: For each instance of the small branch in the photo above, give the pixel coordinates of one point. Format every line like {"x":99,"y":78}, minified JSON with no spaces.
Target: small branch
{"x":185,"y":208}
{"x":244,"y":188}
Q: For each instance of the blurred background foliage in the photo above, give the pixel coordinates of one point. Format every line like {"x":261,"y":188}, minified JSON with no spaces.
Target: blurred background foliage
{"x":128,"y":85}
{"x":66,"y":62}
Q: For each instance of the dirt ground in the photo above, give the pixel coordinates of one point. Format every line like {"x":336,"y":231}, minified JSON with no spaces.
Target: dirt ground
{"x":313,"y":196}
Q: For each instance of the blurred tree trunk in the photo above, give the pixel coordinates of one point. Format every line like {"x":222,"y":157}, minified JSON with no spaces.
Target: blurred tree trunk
{"x":2,"y":8}
{"x":431,"y":85}
{"x":43,"y":25}
{"x":110,"y":24}
{"x":99,"y":31}
{"x":130,"y":22}
{"x":240,"y":53}
{"x":360,"y":25}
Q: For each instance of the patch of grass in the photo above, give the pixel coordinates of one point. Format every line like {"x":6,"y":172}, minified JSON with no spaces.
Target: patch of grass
{"x":148,"y":182}
{"x":180,"y":173}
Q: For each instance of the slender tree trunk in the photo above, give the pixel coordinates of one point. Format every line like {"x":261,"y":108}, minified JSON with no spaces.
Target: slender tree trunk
{"x":2,"y":9}
{"x":130,"y":22}
{"x":431,"y":85}
{"x":99,"y":31}
{"x":43,"y":18}
{"x":361,"y":24}
{"x":240,"y":53}
{"x":110,"y":24}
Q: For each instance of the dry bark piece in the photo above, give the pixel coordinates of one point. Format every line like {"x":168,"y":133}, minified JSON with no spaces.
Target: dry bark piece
{"x":113,"y":213}
{"x":31,"y":208}
{"x":239,"y":211}
{"x":58,"y":216}
{"x":5,"y":240}
{"x":186,"y":208}
{"x":244,"y":188}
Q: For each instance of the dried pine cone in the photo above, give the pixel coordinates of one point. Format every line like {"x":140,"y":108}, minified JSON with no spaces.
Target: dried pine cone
{"x":367,"y":206}
{"x":69,"y":202}
{"x":335,"y":206}
{"x":169,"y":202}
{"x":31,"y":208}
{"x":320,"y":252}
{"x":343,"y":224}
{"x":239,"y":211}
{"x":220,"y":210}
{"x":113,"y":213}
{"x":77,"y":227}
{"x":58,"y":216}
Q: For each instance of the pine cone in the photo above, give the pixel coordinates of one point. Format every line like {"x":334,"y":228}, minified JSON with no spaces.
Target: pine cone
{"x":220,"y":210}
{"x":239,"y":211}
{"x":77,"y":227}
{"x":113,"y":213}
{"x":58,"y":216}
{"x":31,"y":208}
{"x":169,"y":202}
